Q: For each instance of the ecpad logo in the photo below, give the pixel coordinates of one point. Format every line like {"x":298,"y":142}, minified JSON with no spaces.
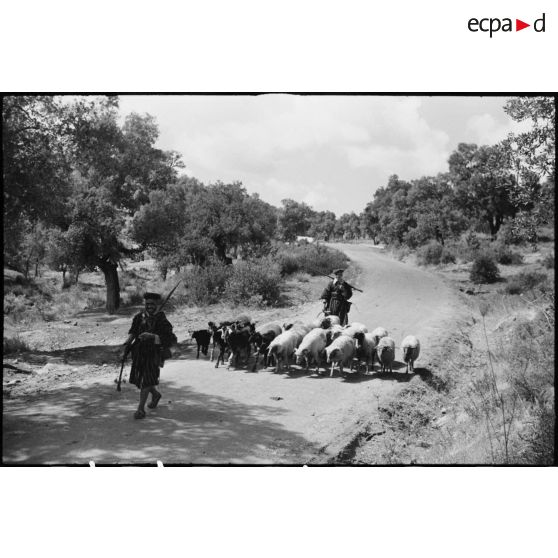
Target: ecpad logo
{"x":492,"y":25}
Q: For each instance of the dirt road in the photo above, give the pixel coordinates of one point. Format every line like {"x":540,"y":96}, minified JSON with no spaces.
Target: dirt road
{"x":222,"y":416}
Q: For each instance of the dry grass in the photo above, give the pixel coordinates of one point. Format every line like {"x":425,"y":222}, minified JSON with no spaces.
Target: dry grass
{"x":509,"y":396}
{"x":488,"y":395}
{"x":14,"y":344}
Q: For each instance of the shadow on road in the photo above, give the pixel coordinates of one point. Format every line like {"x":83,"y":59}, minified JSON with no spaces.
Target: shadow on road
{"x":101,"y":354}
{"x":100,"y":314}
{"x":88,"y":354}
{"x":76,"y":424}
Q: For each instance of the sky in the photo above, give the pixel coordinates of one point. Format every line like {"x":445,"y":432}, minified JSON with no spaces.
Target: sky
{"x":331,"y":152}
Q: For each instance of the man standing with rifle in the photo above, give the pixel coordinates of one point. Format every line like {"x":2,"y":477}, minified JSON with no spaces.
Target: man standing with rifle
{"x":150,"y":339}
{"x":336,"y":297}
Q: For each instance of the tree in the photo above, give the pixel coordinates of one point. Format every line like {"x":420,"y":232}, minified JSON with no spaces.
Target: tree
{"x":535,"y":149}
{"x":72,"y":166}
{"x":35,"y":166}
{"x":483,"y":182}
{"x":167,"y":226}
{"x":58,"y":254}
{"x":532,"y":157}
{"x":370,"y":222}
{"x":295,"y":219}
{"x":33,"y":247}
{"x":349,"y":226}
{"x":392,"y":207}
{"x":433,"y":203}
{"x":230,"y":217}
{"x":142,"y":167}
{"x":95,"y":239}
{"x":192,"y":222}
{"x":322,"y":225}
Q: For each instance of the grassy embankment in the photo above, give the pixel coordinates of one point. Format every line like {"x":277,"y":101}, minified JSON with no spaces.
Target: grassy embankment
{"x":486,"y":396}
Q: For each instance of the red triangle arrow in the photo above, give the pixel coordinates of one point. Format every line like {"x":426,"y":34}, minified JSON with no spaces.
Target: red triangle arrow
{"x":519,"y":25}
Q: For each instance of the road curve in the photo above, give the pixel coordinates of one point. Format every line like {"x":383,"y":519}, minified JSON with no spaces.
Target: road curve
{"x":220,"y":416}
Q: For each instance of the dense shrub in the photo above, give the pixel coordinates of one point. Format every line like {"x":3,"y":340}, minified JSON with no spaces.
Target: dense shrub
{"x":505,"y":256}
{"x":548,"y":261}
{"x":206,"y":285}
{"x":14,"y":304}
{"x":254,"y":282}
{"x":468,"y":247}
{"x":413,"y":238}
{"x":538,"y":436}
{"x":448,"y":256}
{"x":484,"y":269}
{"x":507,"y":234}
{"x":472,"y":240}
{"x":430,"y":254}
{"x":310,"y":258}
{"x":401,"y":252}
{"x":14,"y":345}
{"x":525,"y":281}
{"x":288,"y":263}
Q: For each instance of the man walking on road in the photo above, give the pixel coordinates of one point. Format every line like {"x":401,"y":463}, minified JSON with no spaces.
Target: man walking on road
{"x":150,"y":339}
{"x":336,"y":297}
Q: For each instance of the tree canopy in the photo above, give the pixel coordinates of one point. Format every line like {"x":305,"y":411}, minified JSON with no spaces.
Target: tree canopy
{"x":70,"y":165}
{"x":190,"y":222}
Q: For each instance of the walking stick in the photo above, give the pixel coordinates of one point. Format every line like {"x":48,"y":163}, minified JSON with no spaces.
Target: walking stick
{"x":118,"y":388}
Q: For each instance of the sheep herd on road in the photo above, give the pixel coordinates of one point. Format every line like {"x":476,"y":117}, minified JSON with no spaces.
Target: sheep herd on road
{"x":322,"y":343}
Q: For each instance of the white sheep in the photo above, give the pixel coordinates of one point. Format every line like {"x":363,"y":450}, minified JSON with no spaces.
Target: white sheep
{"x":329,"y":321}
{"x":378,"y":333}
{"x":365,"y":349}
{"x":284,"y":345}
{"x":333,"y":332}
{"x":354,"y":328}
{"x":298,"y":326}
{"x":316,"y":323}
{"x":411,"y":351}
{"x":311,"y":347}
{"x":303,"y":328}
{"x":386,"y":353}
{"x":341,"y":350}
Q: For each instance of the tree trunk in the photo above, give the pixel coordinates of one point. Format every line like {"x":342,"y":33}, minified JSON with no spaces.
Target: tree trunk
{"x":495,"y":222}
{"x":110,"y":271}
{"x":221,"y":250}
{"x":439,"y":236}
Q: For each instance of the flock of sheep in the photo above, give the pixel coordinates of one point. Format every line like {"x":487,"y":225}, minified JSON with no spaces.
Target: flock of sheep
{"x":322,"y":343}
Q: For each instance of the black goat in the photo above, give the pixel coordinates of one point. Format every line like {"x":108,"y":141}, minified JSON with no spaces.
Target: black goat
{"x":238,"y":340}
{"x":218,"y":336}
{"x":202,"y":337}
{"x":261,"y":340}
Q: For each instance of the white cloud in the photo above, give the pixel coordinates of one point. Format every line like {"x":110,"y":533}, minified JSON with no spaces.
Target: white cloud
{"x":330,"y":151}
{"x":484,"y":129}
{"x":317,"y":199}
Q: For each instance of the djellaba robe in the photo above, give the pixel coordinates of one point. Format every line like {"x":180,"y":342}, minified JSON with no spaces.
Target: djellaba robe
{"x":148,"y":357}
{"x":337,"y":295}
